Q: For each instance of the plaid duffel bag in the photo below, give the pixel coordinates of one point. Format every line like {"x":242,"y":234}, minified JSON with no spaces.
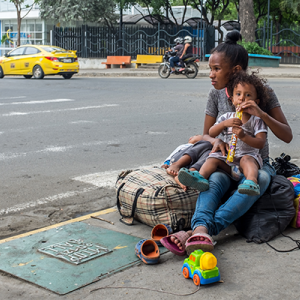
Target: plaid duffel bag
{"x":152,"y":197}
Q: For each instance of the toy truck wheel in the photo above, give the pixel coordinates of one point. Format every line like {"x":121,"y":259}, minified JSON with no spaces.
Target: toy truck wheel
{"x":185,"y":272}
{"x":196,"y":279}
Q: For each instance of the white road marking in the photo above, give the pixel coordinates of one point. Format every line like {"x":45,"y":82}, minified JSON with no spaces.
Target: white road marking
{"x":82,"y":122}
{"x":156,"y":132}
{"x":38,"y":101}
{"x":19,"y":97}
{"x":106,"y":179}
{"x":56,"y":149}
{"x":57,"y":110}
{"x":97,"y":180}
{"x":102,"y":179}
{"x":33,"y":204}
{"x":49,"y":149}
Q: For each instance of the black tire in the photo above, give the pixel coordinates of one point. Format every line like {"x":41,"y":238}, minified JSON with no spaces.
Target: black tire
{"x":1,"y":72}
{"x":38,"y":72}
{"x":163,"y":71}
{"x":27,"y":76}
{"x":191,"y":70}
{"x":67,"y":76}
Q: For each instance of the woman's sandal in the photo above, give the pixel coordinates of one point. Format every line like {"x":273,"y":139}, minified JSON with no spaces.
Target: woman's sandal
{"x":182,"y":236}
{"x":147,"y":251}
{"x":193,"y":179}
{"x":159,"y":231}
{"x":192,"y":244}
{"x":249,"y":187}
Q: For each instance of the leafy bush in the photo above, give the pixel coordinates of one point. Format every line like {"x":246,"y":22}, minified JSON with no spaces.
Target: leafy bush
{"x":254,"y":48}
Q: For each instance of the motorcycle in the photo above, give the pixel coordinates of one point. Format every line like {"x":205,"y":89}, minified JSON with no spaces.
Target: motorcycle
{"x":190,"y":67}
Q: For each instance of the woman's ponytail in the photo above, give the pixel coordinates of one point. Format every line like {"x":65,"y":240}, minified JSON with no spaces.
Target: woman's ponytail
{"x":234,"y":53}
{"x":233,"y":37}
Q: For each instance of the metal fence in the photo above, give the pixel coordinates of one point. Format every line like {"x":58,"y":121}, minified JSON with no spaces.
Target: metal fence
{"x":281,"y":40}
{"x":101,"y":42}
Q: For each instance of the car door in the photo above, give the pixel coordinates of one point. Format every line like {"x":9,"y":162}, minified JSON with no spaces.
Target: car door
{"x":11,"y":63}
{"x":28,"y":60}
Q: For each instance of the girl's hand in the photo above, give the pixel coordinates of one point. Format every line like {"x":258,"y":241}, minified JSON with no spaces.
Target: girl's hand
{"x":219,"y":145}
{"x":233,"y":122}
{"x":251,"y":108}
{"x":238,"y":131}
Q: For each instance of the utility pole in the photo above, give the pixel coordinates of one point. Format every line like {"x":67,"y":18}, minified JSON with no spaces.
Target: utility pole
{"x":167,"y":9}
{"x":268,"y":29}
{"x":120,"y":27}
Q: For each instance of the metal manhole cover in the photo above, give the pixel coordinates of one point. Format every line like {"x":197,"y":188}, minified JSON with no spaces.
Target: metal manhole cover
{"x":75,"y":251}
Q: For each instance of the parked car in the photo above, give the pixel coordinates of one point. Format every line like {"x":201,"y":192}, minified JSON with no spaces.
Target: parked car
{"x":39,"y":61}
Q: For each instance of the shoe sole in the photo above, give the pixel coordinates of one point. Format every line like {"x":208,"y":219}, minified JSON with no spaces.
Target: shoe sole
{"x":249,"y":192}
{"x":203,"y":247}
{"x":189,"y":181}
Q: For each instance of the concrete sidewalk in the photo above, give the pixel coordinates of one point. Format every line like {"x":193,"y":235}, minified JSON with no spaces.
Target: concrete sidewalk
{"x":248,"y":271}
{"x":284,"y":71}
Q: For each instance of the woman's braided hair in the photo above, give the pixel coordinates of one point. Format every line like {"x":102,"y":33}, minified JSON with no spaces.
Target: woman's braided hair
{"x":260,"y":84}
{"x":234,"y":53}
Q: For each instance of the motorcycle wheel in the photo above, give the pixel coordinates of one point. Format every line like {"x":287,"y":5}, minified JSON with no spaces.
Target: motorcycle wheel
{"x":163,"y":71}
{"x":191,"y":70}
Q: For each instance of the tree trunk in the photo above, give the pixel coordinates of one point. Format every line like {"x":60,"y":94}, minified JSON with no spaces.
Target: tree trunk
{"x":247,"y":19}
{"x":19,"y":28}
{"x":221,"y":36}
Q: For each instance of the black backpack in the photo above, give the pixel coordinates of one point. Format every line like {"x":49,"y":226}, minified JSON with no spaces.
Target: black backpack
{"x":270,"y":214}
{"x":283,"y":166}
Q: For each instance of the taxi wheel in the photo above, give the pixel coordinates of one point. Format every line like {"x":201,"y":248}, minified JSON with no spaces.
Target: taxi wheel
{"x":1,"y":72}
{"x":27,"y":76}
{"x":67,"y":76}
{"x":38,"y":72}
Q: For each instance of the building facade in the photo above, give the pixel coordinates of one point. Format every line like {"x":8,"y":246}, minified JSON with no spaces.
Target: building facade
{"x":34,"y":30}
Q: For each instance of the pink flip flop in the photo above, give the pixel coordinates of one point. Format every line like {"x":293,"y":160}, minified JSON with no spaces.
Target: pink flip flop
{"x":182,"y":236}
{"x":191,"y":245}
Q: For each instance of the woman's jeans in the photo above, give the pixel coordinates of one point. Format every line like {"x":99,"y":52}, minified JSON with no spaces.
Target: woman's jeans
{"x":173,"y":60}
{"x":215,"y":218}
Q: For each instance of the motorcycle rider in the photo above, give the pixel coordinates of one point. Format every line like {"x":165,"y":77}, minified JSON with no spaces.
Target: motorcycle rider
{"x":187,"y":51}
{"x":178,"y":49}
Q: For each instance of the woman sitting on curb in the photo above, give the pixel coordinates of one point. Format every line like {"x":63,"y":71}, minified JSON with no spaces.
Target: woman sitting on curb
{"x":210,"y":218}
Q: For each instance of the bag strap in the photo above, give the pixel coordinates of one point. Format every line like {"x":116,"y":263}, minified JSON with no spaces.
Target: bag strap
{"x":131,"y":216}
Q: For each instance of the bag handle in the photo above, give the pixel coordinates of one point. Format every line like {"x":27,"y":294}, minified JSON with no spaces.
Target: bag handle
{"x":118,"y":200}
{"x":131,"y":216}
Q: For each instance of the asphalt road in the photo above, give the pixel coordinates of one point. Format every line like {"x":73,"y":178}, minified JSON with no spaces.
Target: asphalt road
{"x":62,"y":140}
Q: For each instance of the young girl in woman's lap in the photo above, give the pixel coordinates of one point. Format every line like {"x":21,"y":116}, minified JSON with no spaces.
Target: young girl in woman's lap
{"x":251,"y":132}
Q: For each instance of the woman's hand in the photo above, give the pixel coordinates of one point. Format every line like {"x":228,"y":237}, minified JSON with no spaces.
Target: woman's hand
{"x":219,"y":145}
{"x":251,"y":108}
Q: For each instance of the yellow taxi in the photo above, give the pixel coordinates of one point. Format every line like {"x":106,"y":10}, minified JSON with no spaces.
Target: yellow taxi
{"x":39,"y":61}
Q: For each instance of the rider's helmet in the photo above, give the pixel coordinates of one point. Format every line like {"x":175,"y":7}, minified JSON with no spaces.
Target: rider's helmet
{"x":187,"y":39}
{"x":178,"y":40}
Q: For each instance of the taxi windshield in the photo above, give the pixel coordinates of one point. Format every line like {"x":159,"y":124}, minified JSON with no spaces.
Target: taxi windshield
{"x":50,"y":49}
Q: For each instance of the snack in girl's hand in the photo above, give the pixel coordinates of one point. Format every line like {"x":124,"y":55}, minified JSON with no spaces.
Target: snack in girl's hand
{"x":231,"y":152}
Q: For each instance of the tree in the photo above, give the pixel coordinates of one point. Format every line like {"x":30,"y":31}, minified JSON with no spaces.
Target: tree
{"x":248,"y":20}
{"x":72,"y":10}
{"x":291,"y":5}
{"x":19,"y":4}
{"x":217,"y":8}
